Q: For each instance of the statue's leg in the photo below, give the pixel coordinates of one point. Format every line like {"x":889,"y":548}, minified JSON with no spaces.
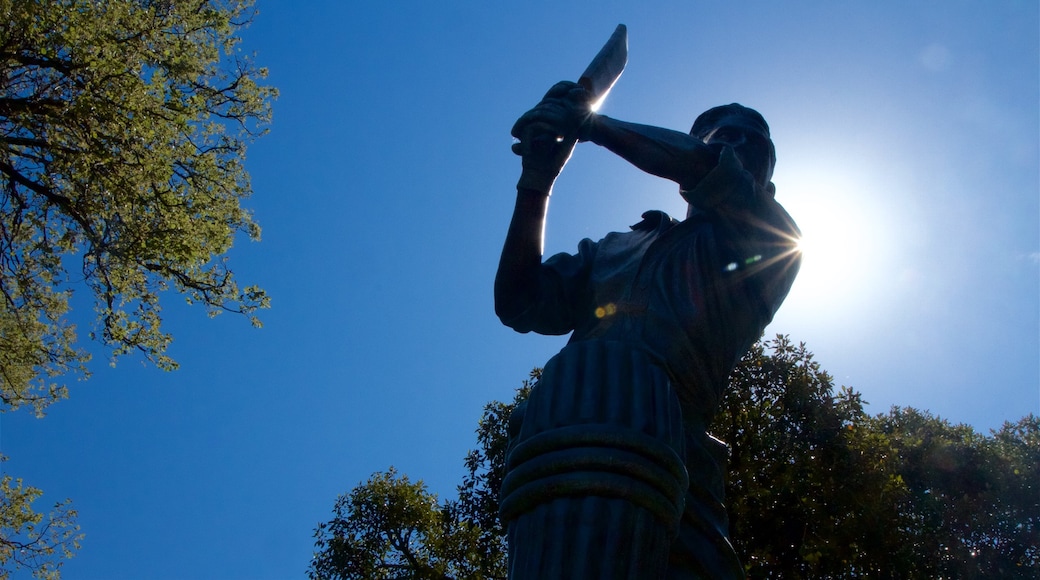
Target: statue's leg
{"x":702,"y":551}
{"x":595,"y":482}
{"x":587,"y":538}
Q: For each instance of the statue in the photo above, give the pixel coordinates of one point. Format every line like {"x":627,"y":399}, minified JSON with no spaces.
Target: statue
{"x":611,"y":473}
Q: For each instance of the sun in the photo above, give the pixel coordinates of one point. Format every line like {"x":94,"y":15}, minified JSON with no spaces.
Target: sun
{"x":846,"y":245}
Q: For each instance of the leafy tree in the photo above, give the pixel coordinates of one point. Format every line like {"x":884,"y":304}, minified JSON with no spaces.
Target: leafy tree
{"x":123,"y":128}
{"x":818,"y":488}
{"x":31,"y":540}
{"x":390,"y":528}
{"x":973,"y":506}
{"x":805,"y":481}
{"x":485,"y":467}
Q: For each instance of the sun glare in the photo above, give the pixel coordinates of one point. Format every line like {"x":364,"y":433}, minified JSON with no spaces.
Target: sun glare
{"x":846,"y":242}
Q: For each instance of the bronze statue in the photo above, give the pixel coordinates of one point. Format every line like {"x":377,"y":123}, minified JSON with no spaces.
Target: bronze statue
{"x":611,"y":472}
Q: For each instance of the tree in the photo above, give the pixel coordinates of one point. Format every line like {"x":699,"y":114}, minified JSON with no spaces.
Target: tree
{"x":123,"y":129}
{"x":973,"y":502}
{"x":30,"y":539}
{"x":817,"y":488}
{"x":485,"y":467}
{"x":391,"y":528}
{"x":810,"y":493}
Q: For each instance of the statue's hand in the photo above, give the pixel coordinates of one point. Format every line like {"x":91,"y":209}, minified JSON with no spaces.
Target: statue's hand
{"x":727,"y":184}
{"x":547,"y":134}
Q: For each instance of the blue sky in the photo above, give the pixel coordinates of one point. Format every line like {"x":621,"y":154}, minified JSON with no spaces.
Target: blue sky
{"x":907,"y":141}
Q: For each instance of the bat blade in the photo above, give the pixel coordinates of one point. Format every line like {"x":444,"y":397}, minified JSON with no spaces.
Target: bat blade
{"x":606,"y":67}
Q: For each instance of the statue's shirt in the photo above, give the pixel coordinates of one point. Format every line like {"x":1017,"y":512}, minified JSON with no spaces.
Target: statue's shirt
{"x":694,"y":295}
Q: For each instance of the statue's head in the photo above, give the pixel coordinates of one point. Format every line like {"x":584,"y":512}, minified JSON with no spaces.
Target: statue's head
{"x":746,"y":131}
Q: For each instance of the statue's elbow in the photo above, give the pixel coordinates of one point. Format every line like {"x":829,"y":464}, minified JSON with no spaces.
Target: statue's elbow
{"x":507,"y":309}
{"x":510,"y":304}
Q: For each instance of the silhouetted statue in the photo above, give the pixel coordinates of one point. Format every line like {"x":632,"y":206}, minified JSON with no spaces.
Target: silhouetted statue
{"x":611,"y":473}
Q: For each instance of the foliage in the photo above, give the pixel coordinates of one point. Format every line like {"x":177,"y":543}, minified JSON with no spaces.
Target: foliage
{"x":485,"y":466}
{"x":123,"y":127}
{"x":973,"y":506}
{"x":817,"y":488}
{"x":805,"y":482}
{"x":390,"y":528}
{"x":31,"y":540}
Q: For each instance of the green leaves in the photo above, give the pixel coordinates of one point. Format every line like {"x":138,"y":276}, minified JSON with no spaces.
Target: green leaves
{"x":30,"y":539}
{"x":391,"y":528}
{"x":817,"y":488}
{"x":485,"y":469}
{"x":123,"y":130}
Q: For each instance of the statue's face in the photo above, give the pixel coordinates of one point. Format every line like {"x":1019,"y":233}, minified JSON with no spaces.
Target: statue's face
{"x":749,"y":143}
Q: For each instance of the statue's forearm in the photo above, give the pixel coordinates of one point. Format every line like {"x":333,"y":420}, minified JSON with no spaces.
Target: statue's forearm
{"x":516,"y":283}
{"x":665,"y":153}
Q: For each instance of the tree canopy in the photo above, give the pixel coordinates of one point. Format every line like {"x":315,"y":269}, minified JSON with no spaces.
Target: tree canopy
{"x":29,"y":539}
{"x":817,"y":488}
{"x":123,"y":130}
{"x":393,"y":528}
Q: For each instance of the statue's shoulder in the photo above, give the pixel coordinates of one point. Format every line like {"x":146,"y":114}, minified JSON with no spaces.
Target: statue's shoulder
{"x":653,"y":225}
{"x":781,"y":220}
{"x":655,"y":220}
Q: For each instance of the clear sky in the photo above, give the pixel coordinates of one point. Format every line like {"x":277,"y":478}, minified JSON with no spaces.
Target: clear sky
{"x":907,"y":141}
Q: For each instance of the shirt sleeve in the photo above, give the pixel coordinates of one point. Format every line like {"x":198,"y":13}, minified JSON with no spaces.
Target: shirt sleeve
{"x":563,"y":285}
{"x":781,"y":256}
{"x":762,"y":250}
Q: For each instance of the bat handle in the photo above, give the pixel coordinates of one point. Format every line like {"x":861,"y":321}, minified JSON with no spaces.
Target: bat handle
{"x":543,"y":144}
